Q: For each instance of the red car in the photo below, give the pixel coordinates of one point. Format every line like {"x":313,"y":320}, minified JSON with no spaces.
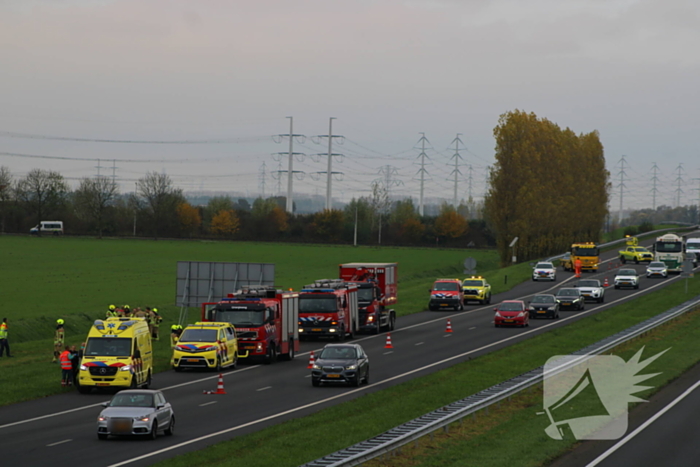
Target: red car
{"x":512,"y":313}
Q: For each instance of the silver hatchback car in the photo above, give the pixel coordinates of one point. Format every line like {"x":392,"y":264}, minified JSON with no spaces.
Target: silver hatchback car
{"x":136,"y":412}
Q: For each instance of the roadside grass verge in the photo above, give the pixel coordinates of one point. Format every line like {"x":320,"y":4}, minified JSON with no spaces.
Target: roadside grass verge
{"x":304,"y":439}
{"x":513,"y":432}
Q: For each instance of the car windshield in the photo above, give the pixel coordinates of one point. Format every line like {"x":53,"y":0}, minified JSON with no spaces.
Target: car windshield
{"x":544,"y":266}
{"x":445,"y":286}
{"x":108,"y":347}
{"x":627,"y":272}
{"x":338,"y":353}
{"x":669,"y":247}
{"x":510,"y":306}
{"x":568,"y":293}
{"x":199,"y":335}
{"x":585,"y":251}
{"x":588,"y":283}
{"x":543,"y":299}
{"x":657,"y":264}
{"x":641,"y":249}
{"x":241,"y":318}
{"x":472,"y":283}
{"x":132,"y":400}
{"x":317,"y":305}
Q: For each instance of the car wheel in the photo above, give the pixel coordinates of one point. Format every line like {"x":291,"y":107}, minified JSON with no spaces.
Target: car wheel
{"x":270,"y":355}
{"x":392,"y":322}
{"x":356,"y":381}
{"x":636,"y":260}
{"x":217,"y":367}
{"x":154,"y":431}
{"x":496,"y":325}
{"x":367,"y":376}
{"x":102,"y":436}
{"x":133,"y":384}
{"x":84,"y":389}
{"x":636,"y":286}
{"x":556,"y":316}
{"x":234,"y":364}
{"x":177,"y":368}
{"x":488,"y":301}
{"x":623,"y":260}
{"x":149,"y":380}
{"x":617,"y":286}
{"x":315,"y":382}
{"x":290,"y":356}
{"x":171,"y":428}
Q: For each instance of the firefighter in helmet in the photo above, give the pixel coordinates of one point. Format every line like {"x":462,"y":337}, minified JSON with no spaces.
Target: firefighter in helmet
{"x":156,"y":319}
{"x":111,"y":312}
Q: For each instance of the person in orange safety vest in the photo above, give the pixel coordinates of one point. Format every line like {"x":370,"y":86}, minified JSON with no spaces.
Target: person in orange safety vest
{"x":66,"y":367}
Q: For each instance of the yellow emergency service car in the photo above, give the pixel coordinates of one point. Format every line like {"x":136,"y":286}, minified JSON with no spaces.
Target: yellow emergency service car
{"x":206,"y":345}
{"x":477,"y":289}
{"x":118,"y":353}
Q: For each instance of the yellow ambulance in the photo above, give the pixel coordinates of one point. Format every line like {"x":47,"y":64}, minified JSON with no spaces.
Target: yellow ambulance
{"x":206,"y":345}
{"x":118,"y":353}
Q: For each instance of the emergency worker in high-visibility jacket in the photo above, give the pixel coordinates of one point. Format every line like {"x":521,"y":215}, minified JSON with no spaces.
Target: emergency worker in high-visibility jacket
{"x":66,"y":367}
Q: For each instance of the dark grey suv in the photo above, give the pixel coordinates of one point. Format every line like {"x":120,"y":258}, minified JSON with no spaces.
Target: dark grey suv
{"x":570,"y":298}
{"x":341,"y":363}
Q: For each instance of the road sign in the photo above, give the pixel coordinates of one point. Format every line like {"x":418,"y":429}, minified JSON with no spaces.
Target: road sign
{"x":470,"y":266}
{"x":687,"y":270}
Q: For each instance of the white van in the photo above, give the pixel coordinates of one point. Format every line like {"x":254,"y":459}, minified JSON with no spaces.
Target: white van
{"x":692,"y":249}
{"x":53,"y":227}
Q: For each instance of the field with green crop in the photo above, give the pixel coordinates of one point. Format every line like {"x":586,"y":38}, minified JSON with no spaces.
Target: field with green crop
{"x":77,"y":278}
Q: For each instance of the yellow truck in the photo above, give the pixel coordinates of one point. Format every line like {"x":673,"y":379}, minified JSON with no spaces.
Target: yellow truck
{"x":634,"y":252}
{"x":118,"y":354}
{"x":588,"y":253}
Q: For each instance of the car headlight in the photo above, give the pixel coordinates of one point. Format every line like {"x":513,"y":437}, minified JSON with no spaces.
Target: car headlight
{"x":532,"y":308}
{"x":180,"y":348}
{"x":351,"y":367}
{"x":521,"y":314}
{"x":210,"y":348}
{"x":125,"y":368}
{"x":102,"y":418}
{"x":83,"y":368}
{"x":316,"y":367}
{"x":552,"y":308}
{"x":144,"y":418}
{"x":498,"y":315}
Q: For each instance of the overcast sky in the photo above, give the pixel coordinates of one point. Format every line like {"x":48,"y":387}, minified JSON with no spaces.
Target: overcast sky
{"x":232,"y":71}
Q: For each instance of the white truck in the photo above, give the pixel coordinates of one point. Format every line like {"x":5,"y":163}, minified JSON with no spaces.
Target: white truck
{"x":669,"y":250}
{"x":692,"y":249}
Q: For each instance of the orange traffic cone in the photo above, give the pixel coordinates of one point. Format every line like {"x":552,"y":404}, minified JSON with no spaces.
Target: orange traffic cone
{"x":449,"y":326}
{"x":220,"y":386}
{"x":388,"y":342}
{"x":311,"y":361}
{"x":606,"y":283}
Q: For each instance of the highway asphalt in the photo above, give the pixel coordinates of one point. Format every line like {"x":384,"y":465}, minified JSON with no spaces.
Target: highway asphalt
{"x":662,"y":432}
{"x":56,"y":430}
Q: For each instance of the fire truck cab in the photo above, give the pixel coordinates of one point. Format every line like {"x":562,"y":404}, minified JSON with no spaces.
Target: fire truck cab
{"x":376,"y":292}
{"x":328,"y":308}
{"x":265,"y":320}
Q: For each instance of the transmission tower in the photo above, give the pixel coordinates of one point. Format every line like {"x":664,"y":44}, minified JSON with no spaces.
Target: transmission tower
{"x":679,"y":181}
{"x":388,"y":172}
{"x":456,"y":172}
{"x":621,"y":186}
{"x":470,"y":181}
{"x":263,"y":178}
{"x":290,"y":171}
{"x":329,"y":171}
{"x":422,"y":171}
{"x":654,"y":181}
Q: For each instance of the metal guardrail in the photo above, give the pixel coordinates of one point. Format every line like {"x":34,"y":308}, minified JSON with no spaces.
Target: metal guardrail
{"x":442,"y":417}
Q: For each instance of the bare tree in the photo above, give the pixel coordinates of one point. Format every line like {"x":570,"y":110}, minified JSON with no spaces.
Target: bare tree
{"x":42,"y":191}
{"x":5,"y":193}
{"x":160,"y":197}
{"x":92,"y":198}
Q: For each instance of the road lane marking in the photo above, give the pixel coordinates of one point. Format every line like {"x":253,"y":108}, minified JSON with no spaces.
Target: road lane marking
{"x":420,"y":343}
{"x":208,"y":403}
{"x":387,"y":353}
{"x":641,"y":427}
{"x":447,"y":335}
{"x":265,"y":388}
{"x":307,"y":376}
{"x":472,"y":328}
{"x":59,"y":442}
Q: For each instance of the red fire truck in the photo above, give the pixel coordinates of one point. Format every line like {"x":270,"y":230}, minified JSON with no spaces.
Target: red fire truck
{"x":328,"y":308}
{"x":376,"y":290}
{"x":265,"y":321}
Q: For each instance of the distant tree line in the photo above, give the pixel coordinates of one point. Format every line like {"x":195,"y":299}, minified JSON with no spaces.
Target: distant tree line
{"x":549,"y":187}
{"x":661,"y":214}
{"x":159,"y":209}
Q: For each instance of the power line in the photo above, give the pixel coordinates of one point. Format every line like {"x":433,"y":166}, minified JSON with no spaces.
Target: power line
{"x":621,"y":185}
{"x":248,"y":139}
{"x":290,"y":172}
{"x":456,"y":172}
{"x":654,"y":181}
{"x":422,"y":171}
{"x":679,"y":180}
{"x":329,"y":171}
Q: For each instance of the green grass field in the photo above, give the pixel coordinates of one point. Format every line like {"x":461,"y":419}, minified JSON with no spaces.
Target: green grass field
{"x":77,"y":278}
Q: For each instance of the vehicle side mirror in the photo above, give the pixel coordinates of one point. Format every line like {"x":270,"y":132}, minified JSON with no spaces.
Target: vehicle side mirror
{"x":160,"y":406}
{"x":495,"y":309}
{"x":430,"y":290}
